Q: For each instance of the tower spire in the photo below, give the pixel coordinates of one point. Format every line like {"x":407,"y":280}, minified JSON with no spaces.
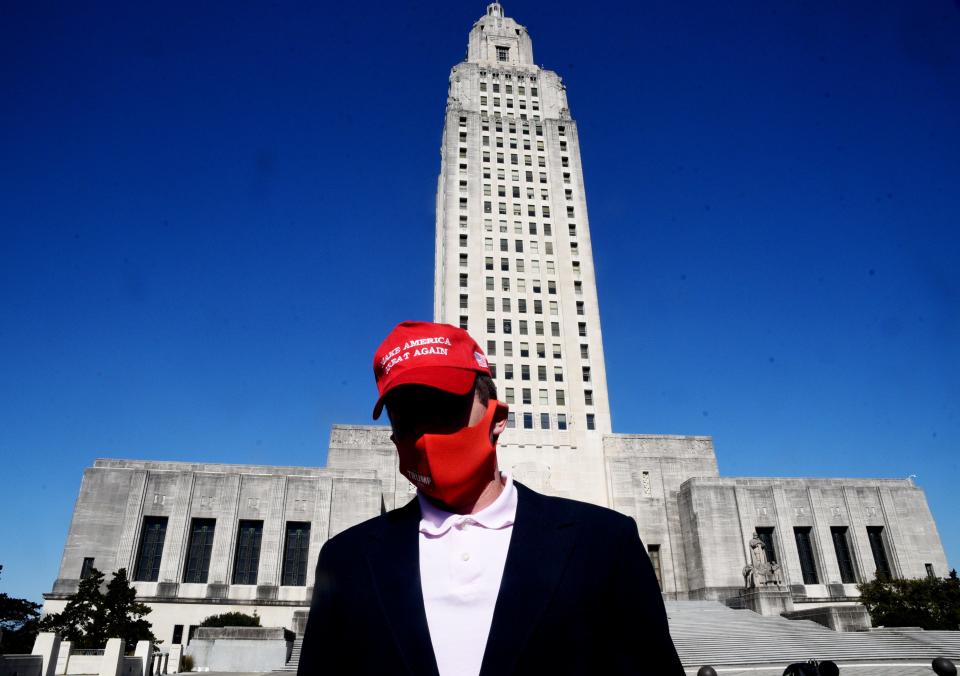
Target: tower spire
{"x":495,"y":9}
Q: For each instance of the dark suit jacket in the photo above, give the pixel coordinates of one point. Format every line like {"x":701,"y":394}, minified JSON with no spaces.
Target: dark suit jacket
{"x":578,"y":596}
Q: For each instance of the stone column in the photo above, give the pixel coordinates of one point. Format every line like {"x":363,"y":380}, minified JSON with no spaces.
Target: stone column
{"x":224,"y":539}
{"x":47,"y":645}
{"x":320,"y":526}
{"x":173,"y":660}
{"x":112,"y":661}
{"x":271,"y":542}
{"x":144,"y":652}
{"x":132,"y":519}
{"x":171,"y":567}
{"x":63,"y":659}
{"x":164,"y":661}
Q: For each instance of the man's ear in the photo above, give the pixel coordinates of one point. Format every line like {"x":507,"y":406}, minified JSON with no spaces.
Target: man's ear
{"x":499,"y":420}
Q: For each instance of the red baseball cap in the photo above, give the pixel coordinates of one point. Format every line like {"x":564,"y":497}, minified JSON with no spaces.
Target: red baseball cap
{"x":424,"y":353}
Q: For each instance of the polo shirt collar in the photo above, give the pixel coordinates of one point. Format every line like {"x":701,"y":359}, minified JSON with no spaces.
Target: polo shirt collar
{"x":498,"y":514}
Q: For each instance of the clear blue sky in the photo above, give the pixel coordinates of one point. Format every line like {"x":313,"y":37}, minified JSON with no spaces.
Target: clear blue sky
{"x":211,"y":213}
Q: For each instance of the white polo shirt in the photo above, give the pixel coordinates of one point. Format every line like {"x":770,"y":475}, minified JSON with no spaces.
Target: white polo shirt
{"x":461,"y":565}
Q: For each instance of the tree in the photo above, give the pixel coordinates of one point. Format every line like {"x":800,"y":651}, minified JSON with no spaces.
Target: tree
{"x":91,"y":617}
{"x":18,"y":622}
{"x":124,"y":614}
{"x":930,"y":603}
{"x":232,"y":620}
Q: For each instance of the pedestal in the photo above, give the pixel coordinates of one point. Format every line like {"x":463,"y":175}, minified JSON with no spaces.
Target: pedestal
{"x":769,"y":600}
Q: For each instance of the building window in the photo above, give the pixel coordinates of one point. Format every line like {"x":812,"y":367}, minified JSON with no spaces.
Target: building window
{"x":544,"y":421}
{"x":591,"y":422}
{"x":582,"y":329}
{"x":491,"y":348}
{"x":198,"y":550}
{"x":524,"y":372}
{"x":584,"y":352}
{"x":588,"y":397}
{"x":766,"y":537}
{"x":561,"y":398}
{"x":511,"y":419}
{"x":875,"y":535}
{"x":525,"y":393}
{"x":87,"y":568}
{"x":503,"y":53}
{"x":929,"y":568}
{"x":808,"y":564}
{"x":463,"y":280}
{"x":653,"y":551}
{"x":542,"y":373}
{"x":561,"y":421}
{"x":506,"y":304}
{"x":508,"y":348}
{"x":507,"y":326}
{"x":296,"y":546}
{"x":528,"y":421}
{"x":841,"y":545}
{"x":493,"y":370}
{"x":586,"y":374}
{"x":247,"y":559}
{"x":177,"y":634}
{"x":151,"y":548}
{"x":508,"y":371}
{"x":523,"y":327}
{"x":555,"y":329}
{"x":544,"y":397}
{"x":509,"y":397}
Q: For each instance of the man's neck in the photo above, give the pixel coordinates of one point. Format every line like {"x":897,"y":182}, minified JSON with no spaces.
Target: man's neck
{"x":486,"y":498}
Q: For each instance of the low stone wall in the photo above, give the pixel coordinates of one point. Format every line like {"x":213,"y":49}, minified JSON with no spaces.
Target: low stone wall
{"x":21,"y":665}
{"x":240,"y":648}
{"x":80,"y":664}
{"x":853,"y":617}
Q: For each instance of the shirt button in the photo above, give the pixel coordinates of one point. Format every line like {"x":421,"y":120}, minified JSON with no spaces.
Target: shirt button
{"x":465,"y":557}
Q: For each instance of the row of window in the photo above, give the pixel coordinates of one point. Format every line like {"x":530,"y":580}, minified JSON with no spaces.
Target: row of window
{"x":525,"y":372}
{"x":507,"y":89}
{"x":841,"y":548}
{"x":506,"y":304}
{"x":200,"y":546}
{"x":561,"y":421}
{"x":507,"y":103}
{"x":495,"y":74}
{"x":560,"y":396}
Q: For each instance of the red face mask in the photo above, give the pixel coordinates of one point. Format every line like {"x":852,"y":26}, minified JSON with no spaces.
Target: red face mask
{"x":453,"y":468}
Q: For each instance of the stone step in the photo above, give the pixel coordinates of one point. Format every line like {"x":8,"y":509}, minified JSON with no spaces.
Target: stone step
{"x":294,"y":662}
{"x":707,"y":632}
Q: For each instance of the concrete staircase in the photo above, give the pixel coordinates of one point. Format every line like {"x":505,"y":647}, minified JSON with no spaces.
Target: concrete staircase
{"x":294,"y":662}
{"x":706,"y":632}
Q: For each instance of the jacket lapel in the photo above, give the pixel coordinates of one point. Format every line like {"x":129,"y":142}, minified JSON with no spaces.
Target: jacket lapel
{"x":395,"y":567}
{"x":539,"y":548}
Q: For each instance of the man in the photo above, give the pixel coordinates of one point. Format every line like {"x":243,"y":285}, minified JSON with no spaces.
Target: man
{"x":478,"y":574}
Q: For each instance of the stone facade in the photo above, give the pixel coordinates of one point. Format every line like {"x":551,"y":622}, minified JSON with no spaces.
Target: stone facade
{"x":514,"y":265}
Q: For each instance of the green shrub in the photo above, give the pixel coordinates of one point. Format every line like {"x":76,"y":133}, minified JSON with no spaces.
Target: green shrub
{"x":232,"y":620}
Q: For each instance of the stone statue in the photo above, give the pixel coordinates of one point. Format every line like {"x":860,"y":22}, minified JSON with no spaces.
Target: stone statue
{"x":760,"y":572}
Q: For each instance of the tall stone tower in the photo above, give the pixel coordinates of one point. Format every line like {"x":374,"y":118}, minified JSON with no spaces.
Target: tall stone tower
{"x":514,"y":264}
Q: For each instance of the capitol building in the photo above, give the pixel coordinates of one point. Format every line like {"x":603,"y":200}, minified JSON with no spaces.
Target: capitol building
{"x":514,"y":266}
